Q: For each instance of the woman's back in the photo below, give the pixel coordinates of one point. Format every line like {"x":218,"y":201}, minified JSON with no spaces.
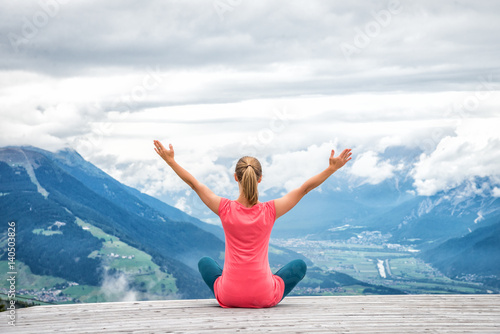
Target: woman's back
{"x":247,"y":280}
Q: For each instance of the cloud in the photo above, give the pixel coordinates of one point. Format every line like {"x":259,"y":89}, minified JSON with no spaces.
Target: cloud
{"x":50,"y":127}
{"x":213,"y":86}
{"x":278,"y":48}
{"x":289,"y":170}
{"x":116,"y":288}
{"x":181,"y":205}
{"x":369,"y":167}
{"x":156,"y":178}
{"x":473,"y":152}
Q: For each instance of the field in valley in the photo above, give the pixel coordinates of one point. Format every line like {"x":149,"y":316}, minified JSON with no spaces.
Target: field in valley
{"x":389,"y":265}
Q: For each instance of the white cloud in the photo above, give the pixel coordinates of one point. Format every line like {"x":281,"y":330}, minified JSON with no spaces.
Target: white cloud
{"x":291,"y":169}
{"x":49,"y":128}
{"x":473,"y":152}
{"x":175,"y":71}
{"x":262,"y":48}
{"x":371,"y":168}
{"x":181,"y":204}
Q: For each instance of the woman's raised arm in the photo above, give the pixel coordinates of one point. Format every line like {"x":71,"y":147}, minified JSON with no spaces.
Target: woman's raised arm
{"x":206,"y":195}
{"x":287,"y":202}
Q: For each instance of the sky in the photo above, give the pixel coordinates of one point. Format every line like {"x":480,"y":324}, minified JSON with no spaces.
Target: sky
{"x":285,"y":81}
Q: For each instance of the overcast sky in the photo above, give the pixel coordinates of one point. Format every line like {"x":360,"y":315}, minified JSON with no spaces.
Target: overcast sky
{"x":283,"y":80}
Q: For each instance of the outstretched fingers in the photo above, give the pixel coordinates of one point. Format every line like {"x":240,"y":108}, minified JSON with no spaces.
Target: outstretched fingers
{"x":166,"y":154}
{"x":159,"y":148}
{"x":346,"y":154}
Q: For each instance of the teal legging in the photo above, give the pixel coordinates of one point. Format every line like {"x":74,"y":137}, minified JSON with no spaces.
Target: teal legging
{"x":292,"y":273}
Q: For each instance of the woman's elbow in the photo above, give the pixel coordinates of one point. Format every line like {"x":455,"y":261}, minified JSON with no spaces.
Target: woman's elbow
{"x":304,"y":190}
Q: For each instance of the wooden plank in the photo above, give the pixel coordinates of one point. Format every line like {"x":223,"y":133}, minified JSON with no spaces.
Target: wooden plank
{"x":345,"y":314}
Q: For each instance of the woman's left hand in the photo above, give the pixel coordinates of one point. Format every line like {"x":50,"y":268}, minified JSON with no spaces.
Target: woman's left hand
{"x":338,"y":162}
{"x":167,"y":155}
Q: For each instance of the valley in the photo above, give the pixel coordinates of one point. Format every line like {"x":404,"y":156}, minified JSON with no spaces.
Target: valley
{"x":390,"y":265}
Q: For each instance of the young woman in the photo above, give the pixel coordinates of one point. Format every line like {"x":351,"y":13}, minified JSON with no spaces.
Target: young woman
{"x":247,"y":280}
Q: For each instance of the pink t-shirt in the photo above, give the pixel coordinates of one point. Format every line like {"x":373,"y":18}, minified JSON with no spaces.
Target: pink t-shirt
{"x":247,"y":280}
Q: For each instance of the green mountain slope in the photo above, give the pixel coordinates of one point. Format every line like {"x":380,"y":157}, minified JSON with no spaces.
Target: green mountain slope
{"x":45,"y":201}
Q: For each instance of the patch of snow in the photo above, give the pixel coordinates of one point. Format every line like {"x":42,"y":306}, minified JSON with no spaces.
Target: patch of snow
{"x":479,"y":217}
{"x":31,"y":173}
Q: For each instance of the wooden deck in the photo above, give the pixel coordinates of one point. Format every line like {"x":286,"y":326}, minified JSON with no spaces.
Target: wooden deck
{"x":350,"y":314}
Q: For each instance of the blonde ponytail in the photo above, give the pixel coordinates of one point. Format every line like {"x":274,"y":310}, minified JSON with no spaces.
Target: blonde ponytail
{"x":249,"y":171}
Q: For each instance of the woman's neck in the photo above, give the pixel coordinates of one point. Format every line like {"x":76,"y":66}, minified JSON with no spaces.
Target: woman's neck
{"x":243,"y":201}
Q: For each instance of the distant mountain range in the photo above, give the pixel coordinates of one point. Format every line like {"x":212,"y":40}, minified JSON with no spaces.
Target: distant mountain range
{"x":391,"y":206}
{"x":83,"y":236}
{"x":457,"y":231}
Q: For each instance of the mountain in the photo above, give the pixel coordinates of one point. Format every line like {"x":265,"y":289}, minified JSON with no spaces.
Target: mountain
{"x":107,"y":187}
{"x":391,"y":206}
{"x":46,"y":194}
{"x":476,"y":255}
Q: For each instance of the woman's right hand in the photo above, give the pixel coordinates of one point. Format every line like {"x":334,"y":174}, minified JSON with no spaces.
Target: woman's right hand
{"x":167,"y":155}
{"x":338,"y":162}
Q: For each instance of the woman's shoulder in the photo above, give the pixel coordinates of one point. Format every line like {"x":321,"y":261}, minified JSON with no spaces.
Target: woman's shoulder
{"x":271,"y":206}
{"x":269,"y":203}
{"x":224,"y":204}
